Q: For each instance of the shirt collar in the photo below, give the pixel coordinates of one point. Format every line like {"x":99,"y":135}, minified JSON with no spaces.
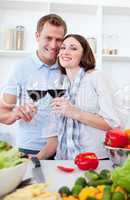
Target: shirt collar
{"x":40,"y":64}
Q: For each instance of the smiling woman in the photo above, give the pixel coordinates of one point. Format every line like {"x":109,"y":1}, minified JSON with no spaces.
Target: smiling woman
{"x":86,"y":110}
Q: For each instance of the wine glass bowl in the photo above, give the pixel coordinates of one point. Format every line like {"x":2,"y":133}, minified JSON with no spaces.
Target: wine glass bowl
{"x":35,"y":95}
{"x":56,"y":92}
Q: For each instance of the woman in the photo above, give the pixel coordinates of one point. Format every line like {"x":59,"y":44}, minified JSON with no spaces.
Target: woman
{"x":86,"y":111}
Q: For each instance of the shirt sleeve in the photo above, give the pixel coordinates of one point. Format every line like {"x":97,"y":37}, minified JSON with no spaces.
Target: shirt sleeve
{"x":105,"y":88}
{"x":13,"y":83}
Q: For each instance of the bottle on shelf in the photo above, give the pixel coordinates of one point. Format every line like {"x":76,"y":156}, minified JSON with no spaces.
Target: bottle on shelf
{"x":19,"y":37}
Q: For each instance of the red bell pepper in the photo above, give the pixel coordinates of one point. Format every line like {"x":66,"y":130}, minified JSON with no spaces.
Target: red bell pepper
{"x":86,"y":161}
{"x":116,"y":138}
{"x":65,"y":169}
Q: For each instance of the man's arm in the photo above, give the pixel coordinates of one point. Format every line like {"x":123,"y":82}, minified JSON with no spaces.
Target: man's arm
{"x":49,"y":149}
{"x":9,"y":113}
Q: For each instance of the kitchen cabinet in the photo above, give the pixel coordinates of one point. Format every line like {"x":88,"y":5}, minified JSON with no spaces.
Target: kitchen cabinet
{"x":94,"y":19}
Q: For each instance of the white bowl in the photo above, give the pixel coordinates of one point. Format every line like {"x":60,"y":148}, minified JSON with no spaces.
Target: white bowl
{"x":11,"y":177}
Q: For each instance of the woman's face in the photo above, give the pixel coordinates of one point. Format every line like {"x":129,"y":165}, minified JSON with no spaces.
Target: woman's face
{"x":70,"y":53}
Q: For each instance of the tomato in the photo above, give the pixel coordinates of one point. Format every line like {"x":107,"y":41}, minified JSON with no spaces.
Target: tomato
{"x":116,"y":138}
{"x":127,"y":146}
{"x":86,"y":161}
{"x":127,"y":133}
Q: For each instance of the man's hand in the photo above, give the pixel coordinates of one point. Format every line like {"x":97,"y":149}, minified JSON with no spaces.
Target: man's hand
{"x":25,"y":112}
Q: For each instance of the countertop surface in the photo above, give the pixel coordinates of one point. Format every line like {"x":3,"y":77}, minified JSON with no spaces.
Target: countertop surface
{"x":56,"y":178}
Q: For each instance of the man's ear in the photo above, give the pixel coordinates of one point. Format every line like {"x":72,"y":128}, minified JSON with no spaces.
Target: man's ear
{"x":37,"y":34}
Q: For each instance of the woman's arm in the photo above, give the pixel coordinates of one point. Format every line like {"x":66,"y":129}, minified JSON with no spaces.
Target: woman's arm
{"x":64,"y":107}
{"x":90,"y":119}
{"x":49,"y":149}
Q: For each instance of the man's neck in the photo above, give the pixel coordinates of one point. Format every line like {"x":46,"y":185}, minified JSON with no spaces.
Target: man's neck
{"x":44,"y":60}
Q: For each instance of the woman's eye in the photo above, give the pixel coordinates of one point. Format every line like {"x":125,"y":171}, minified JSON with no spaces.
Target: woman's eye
{"x":73,"y":48}
{"x":62,"y":48}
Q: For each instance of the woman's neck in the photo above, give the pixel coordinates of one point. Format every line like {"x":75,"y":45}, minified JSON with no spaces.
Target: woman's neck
{"x":72,"y":72}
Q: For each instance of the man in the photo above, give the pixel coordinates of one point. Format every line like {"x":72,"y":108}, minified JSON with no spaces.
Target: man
{"x":51,"y":30}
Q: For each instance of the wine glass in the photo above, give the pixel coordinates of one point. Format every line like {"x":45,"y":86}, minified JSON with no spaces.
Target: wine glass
{"x":35,"y":90}
{"x":36,"y":93}
{"x":59,"y":87}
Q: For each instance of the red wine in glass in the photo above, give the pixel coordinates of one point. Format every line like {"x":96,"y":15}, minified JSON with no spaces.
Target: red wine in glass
{"x":35,"y":95}
{"x":56,"y":93}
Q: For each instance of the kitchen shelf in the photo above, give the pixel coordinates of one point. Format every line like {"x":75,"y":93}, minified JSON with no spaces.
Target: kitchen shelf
{"x":95,"y":18}
{"x":14,"y":52}
{"x":116,"y":58}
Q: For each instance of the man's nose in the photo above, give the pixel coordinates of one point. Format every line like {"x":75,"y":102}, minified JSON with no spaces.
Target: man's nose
{"x":53,"y":44}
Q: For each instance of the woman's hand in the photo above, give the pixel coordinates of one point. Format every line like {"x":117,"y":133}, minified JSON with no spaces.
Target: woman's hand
{"x":64,"y":107}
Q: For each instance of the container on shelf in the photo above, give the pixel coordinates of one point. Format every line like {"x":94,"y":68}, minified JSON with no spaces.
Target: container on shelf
{"x":19,"y":37}
{"x":110,"y":44}
{"x":9,"y":39}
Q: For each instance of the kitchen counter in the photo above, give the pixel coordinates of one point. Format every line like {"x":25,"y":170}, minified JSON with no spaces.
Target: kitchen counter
{"x":56,"y":178}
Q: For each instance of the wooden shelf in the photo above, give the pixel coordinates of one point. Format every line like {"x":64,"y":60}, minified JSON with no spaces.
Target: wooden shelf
{"x":116,"y":58}
{"x":14,"y":52}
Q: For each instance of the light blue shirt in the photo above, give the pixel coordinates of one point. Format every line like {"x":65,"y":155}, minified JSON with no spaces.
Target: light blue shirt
{"x":31,"y":135}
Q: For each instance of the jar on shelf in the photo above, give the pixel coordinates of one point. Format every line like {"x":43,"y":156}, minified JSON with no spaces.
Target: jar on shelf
{"x":110,"y":44}
{"x":19,"y":37}
{"x":9,"y":39}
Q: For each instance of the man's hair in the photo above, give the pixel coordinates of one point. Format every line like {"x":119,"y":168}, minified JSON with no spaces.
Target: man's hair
{"x":52,"y":19}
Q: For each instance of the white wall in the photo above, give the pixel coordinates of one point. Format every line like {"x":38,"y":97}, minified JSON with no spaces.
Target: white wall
{"x":79,"y":20}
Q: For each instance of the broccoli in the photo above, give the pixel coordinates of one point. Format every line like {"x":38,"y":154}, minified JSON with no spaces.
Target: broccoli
{"x":81,"y":181}
{"x":76,"y":190}
{"x":105,"y":174}
{"x":92,"y":175}
{"x":64,"y":191}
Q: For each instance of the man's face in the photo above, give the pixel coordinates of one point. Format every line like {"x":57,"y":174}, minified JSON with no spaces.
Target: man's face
{"x":49,"y":41}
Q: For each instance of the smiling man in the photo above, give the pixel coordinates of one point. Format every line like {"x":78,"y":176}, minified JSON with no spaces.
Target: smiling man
{"x":42,"y":66}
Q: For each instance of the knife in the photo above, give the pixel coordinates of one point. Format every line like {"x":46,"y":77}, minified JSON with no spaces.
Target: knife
{"x":37,"y":170}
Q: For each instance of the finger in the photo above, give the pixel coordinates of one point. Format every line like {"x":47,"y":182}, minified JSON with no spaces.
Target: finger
{"x":32,"y":107}
{"x":58,"y":102}
{"x":58,"y":99}
{"x":19,"y":114}
{"x":24,"y":113}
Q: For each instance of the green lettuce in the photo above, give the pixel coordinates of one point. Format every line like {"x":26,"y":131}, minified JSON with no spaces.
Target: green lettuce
{"x":10,"y":158}
{"x":121,"y":175}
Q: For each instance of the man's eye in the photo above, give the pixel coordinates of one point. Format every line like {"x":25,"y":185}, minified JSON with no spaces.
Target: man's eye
{"x":59,"y":40}
{"x":48,"y":38}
